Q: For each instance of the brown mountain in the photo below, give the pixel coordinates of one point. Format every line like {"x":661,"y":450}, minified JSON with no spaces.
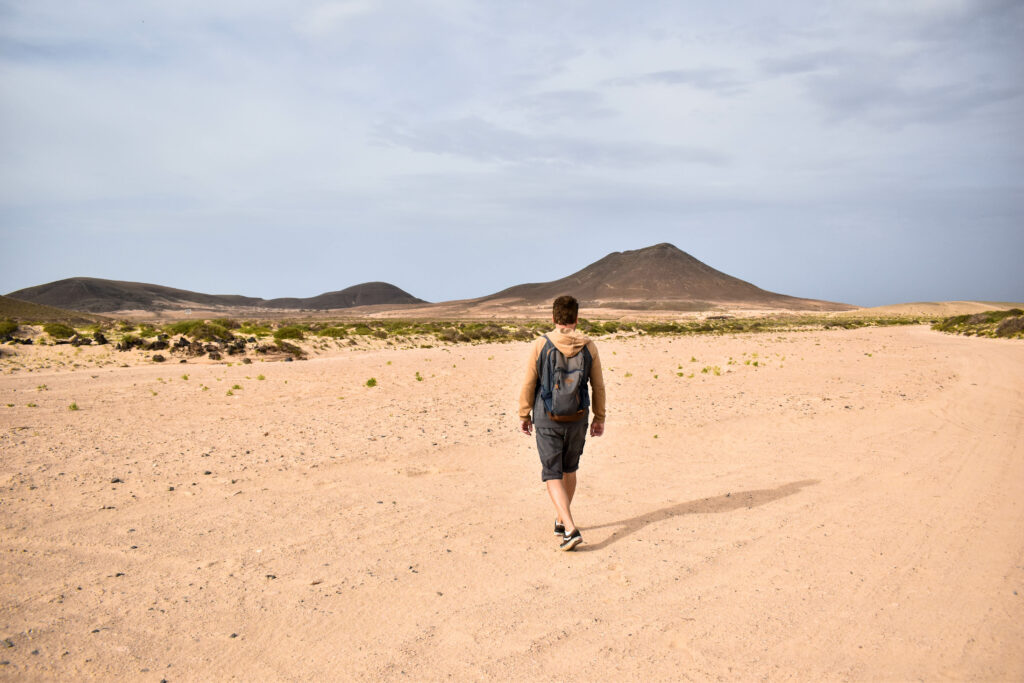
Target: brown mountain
{"x":661,"y":276}
{"x":98,"y":295}
{"x":366,"y":294}
{"x":27,"y":312}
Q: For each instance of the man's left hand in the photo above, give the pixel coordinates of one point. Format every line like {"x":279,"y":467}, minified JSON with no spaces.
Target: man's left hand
{"x":596,"y":428}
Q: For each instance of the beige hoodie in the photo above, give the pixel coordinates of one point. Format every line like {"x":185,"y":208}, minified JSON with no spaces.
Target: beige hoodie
{"x":569,"y":344}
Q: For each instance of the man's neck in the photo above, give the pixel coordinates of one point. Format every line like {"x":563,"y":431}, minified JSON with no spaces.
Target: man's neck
{"x":565,"y":329}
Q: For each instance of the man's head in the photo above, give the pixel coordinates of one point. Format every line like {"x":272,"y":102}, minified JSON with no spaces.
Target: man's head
{"x":565,"y":310}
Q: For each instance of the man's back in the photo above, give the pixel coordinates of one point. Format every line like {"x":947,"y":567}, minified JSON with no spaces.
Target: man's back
{"x":570,"y":343}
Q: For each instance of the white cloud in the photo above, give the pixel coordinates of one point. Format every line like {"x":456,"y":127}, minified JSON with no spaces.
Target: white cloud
{"x":326,"y":18}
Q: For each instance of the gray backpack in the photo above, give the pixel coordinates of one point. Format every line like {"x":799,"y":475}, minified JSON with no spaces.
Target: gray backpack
{"x":563,"y":383}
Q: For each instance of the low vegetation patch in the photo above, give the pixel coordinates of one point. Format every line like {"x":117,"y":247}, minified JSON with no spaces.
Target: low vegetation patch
{"x":1008,"y":324}
{"x":289,"y":332}
{"x":210,"y":332}
{"x":59,"y":330}
{"x":184,"y":327}
{"x":146,"y":330}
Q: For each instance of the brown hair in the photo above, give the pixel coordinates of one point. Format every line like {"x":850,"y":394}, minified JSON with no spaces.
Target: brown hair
{"x":565,"y":310}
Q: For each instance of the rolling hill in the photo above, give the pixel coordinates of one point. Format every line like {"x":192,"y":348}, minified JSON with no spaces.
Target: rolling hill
{"x":28,"y":312}
{"x":97,"y":295}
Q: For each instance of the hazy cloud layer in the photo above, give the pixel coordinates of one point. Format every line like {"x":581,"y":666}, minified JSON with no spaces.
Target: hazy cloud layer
{"x":723,"y":81}
{"x":853,"y":152}
{"x":478,"y":140}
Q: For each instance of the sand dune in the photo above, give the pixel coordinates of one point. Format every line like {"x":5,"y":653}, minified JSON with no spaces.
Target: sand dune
{"x":936,"y":308}
{"x":848,"y":509}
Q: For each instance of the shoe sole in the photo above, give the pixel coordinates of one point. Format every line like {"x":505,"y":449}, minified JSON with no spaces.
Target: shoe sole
{"x":571,"y":544}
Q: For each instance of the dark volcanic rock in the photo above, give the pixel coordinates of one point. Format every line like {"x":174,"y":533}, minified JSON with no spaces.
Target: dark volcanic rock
{"x":100,"y":338}
{"x":129,"y":343}
{"x":157,"y":358}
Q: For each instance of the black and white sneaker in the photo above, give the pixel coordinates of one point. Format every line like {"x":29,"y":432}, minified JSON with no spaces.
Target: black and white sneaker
{"x":559,"y":529}
{"x":570,"y":541}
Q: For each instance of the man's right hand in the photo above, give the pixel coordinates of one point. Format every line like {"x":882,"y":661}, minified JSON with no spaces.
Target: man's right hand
{"x":526,"y":426}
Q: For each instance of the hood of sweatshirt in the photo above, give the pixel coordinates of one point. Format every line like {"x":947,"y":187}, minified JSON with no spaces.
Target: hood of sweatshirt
{"x":569,"y":343}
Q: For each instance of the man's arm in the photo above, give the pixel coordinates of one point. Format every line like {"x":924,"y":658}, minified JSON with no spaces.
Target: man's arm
{"x":528,"y":392}
{"x":597,"y":392}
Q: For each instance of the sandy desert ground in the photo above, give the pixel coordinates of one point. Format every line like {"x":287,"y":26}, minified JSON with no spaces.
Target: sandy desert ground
{"x":850,"y":508}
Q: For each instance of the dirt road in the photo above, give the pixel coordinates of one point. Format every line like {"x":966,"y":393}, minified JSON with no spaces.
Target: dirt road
{"x":850,"y":507}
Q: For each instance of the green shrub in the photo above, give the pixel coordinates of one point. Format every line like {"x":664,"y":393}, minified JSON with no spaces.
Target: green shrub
{"x":255,"y":329}
{"x":1011,"y":327}
{"x":1008,"y":323}
{"x":333,"y":332}
{"x":289,"y":332}
{"x":146,"y":330}
{"x":372,"y":382}
{"x":184,"y":327}
{"x":8,"y":327}
{"x":58,"y":330}
{"x":226,"y":323}
{"x":209,"y":332}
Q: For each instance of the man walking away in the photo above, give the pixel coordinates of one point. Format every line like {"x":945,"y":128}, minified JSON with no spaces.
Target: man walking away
{"x":561,"y":365}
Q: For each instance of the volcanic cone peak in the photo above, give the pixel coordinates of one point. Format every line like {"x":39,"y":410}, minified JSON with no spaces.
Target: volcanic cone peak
{"x":652,"y":276}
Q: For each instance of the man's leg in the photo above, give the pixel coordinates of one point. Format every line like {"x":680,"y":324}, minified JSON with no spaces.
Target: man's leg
{"x":560,"y":497}
{"x":569,"y":480}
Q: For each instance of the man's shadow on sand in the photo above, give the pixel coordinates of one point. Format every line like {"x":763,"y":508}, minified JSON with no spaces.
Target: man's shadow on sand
{"x":723,"y":503}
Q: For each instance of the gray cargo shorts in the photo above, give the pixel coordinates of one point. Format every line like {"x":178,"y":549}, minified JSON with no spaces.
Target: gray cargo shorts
{"x":560,"y":447}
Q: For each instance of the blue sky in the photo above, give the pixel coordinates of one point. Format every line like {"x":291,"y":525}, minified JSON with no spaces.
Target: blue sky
{"x":866,"y":152}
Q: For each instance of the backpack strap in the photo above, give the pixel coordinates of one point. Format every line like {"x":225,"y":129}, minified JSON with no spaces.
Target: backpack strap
{"x":588,"y":361}
{"x":545,"y":367}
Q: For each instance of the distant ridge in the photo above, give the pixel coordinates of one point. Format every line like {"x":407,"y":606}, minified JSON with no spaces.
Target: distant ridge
{"x":659,"y":277}
{"x":654,"y":277}
{"x":366,"y":294}
{"x":28,"y":312}
{"x":96,"y":295}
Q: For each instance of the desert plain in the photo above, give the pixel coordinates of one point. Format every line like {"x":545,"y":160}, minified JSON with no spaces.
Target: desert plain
{"x":808,"y":505}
